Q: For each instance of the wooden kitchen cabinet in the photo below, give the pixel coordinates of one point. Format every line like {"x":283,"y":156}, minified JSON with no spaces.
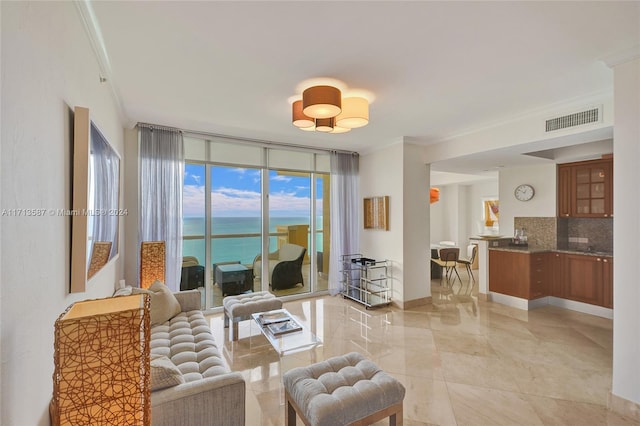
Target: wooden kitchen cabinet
{"x":607,"y":277}
{"x":522,"y":275}
{"x":585,"y":189}
{"x":539,"y":282}
{"x":564,"y":190}
{"x":584,"y":283}
{"x":557,"y":274}
{"x":583,"y":278}
{"x":590,"y":279}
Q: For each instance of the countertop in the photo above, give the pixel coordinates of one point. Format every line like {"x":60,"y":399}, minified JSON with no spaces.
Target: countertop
{"x":537,"y":249}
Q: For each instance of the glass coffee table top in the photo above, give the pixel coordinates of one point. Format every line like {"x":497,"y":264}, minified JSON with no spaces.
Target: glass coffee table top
{"x":287,"y":342}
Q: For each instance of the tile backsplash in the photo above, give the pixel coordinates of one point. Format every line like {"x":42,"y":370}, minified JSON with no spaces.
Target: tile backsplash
{"x":541,"y":231}
{"x":581,"y":233}
{"x":568,"y":233}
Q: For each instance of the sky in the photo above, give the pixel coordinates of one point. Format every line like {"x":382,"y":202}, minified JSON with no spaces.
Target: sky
{"x":235,"y":192}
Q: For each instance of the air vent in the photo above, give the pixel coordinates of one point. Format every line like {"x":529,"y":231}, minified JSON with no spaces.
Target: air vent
{"x":571,"y":120}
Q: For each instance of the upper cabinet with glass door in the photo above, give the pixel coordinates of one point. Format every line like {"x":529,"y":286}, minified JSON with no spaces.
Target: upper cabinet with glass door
{"x":585,"y":189}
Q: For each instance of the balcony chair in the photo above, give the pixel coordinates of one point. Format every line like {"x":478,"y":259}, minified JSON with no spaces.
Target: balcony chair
{"x":192,"y":274}
{"x":285,"y":266}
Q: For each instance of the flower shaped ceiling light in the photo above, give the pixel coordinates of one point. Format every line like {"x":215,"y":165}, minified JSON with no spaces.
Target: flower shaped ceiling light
{"x":326,"y":105}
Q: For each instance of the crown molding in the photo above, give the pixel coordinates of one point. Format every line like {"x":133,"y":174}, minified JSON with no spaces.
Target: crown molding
{"x":92,"y":28}
{"x":622,"y":56}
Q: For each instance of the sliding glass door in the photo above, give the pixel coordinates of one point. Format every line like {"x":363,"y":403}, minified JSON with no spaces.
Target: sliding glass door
{"x":236,"y":221}
{"x":246,"y":207}
{"x":289,"y":226}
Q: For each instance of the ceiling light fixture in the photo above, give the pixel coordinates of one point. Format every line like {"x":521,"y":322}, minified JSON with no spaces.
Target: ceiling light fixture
{"x":326,"y":108}
{"x":322,"y":101}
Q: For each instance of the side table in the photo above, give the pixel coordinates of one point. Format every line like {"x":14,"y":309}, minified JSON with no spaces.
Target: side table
{"x":233,"y":279}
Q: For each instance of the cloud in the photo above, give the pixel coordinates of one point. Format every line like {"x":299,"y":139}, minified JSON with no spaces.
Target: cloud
{"x":240,"y":202}
{"x":231,"y":201}
{"x":281,"y":178}
{"x":193,"y":200}
{"x":288,"y":201}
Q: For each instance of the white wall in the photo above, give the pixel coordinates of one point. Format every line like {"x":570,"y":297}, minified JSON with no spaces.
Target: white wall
{"x":456,"y":216}
{"x":543,"y":204}
{"x":381,"y":174}
{"x":441,"y":215}
{"x":524,"y":130}
{"x":415,"y":211}
{"x":626,"y":233}
{"x":477,"y":193}
{"x":48,"y":67}
{"x":400,"y":171}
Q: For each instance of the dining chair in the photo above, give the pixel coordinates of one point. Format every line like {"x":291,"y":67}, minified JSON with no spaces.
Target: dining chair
{"x":472,"y":250}
{"x":448,"y":260}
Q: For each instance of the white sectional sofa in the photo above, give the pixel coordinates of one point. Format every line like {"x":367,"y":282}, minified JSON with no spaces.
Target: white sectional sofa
{"x":198,"y":387}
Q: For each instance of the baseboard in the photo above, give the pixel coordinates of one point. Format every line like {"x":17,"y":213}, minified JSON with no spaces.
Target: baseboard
{"x":410,"y":304}
{"x":585,"y":308}
{"x":624,"y":407}
{"x":527,"y":305}
{"x":514,"y":302}
{"x":483,"y":297}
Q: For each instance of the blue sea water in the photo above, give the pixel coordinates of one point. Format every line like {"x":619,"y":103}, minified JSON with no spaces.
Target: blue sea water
{"x":243,"y":249}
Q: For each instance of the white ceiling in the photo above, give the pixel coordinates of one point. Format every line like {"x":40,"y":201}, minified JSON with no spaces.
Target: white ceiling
{"x":436,"y":68}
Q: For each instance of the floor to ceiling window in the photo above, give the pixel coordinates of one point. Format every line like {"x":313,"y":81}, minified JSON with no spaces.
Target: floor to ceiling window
{"x":259,"y":203}
{"x":290,"y":221}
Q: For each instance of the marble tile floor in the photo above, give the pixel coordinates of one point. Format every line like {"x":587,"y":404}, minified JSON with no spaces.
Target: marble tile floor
{"x":462,"y":361}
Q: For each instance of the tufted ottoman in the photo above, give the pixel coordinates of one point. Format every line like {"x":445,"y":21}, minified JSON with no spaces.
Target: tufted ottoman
{"x":343,"y":390}
{"x":241,"y":307}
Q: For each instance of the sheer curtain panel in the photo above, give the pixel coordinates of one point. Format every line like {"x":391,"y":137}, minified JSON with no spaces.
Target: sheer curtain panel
{"x":161,"y":181}
{"x":345,"y":225}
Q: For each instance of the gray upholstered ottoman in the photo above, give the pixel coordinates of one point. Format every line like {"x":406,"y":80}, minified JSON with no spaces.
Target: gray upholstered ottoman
{"x":343,"y":390}
{"x":240,"y":308}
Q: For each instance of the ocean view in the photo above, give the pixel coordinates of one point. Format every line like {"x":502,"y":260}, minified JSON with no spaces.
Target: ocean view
{"x":243,"y":249}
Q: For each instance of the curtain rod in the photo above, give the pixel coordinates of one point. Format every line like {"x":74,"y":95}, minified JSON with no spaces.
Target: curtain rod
{"x":156,"y":126}
{"x":239,"y":139}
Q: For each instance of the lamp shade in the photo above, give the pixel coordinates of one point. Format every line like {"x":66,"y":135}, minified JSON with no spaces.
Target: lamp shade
{"x":321,"y":101}
{"x":355,"y":113}
{"x":325,"y":124}
{"x":298,"y":118}
{"x":338,"y":129}
{"x":434,"y":195}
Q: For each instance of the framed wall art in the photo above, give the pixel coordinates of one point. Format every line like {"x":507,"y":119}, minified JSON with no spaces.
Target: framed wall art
{"x":376,"y":213}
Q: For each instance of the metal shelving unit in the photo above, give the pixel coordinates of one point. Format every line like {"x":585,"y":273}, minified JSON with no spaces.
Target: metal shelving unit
{"x":365,"y":280}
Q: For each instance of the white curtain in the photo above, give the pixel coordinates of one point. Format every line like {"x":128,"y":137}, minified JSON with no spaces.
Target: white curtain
{"x":345,"y":224}
{"x":161,"y":182}
{"x":105,"y":175}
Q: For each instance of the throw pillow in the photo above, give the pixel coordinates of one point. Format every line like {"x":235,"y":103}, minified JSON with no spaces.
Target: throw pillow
{"x":164,"y":304}
{"x":124,"y":291}
{"x":164,"y":373}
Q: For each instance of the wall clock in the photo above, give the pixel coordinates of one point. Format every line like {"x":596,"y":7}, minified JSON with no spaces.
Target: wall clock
{"x":524,"y":192}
